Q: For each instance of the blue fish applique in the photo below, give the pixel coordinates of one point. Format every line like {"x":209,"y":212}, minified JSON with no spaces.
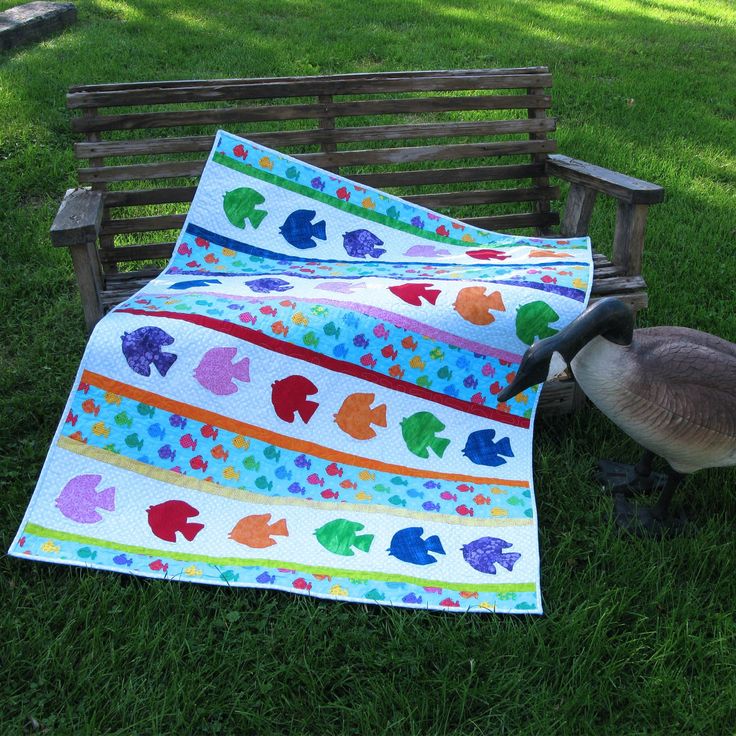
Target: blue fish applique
{"x":299,"y":230}
{"x":482,"y":450}
{"x":181,"y":285}
{"x":142,"y":347}
{"x":407,"y":545}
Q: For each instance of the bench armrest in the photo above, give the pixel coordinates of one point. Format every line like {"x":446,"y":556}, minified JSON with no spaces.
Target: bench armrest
{"x":634,"y":197}
{"x":76,"y":226}
{"x":78,"y":219}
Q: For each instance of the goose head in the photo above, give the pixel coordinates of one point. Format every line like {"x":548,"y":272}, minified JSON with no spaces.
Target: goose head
{"x":609,"y":318}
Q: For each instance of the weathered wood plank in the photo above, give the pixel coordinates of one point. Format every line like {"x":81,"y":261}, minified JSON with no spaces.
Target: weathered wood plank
{"x":623,"y":187}
{"x":628,"y":237}
{"x":150,"y":223}
{"x":33,"y":22}
{"x":140,"y":197}
{"x":148,"y":251}
{"x":578,"y":210}
{"x":179,"y":83}
{"x":261,"y":113}
{"x":484,"y":196}
{"x":78,"y":218}
{"x":514,"y":221}
{"x":325,"y":136}
{"x":305,"y":87}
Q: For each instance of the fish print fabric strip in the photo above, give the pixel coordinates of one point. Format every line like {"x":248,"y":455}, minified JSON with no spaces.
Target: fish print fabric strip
{"x":305,"y":400}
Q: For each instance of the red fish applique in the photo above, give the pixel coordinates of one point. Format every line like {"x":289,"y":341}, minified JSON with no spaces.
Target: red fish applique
{"x":486,"y":254}
{"x":289,"y":397}
{"x":170,"y":517}
{"x":413,"y":293}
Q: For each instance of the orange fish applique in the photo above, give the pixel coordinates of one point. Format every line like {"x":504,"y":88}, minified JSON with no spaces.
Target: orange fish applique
{"x":474,"y":305}
{"x":548,"y":254}
{"x":255,"y":531}
{"x":356,"y":416}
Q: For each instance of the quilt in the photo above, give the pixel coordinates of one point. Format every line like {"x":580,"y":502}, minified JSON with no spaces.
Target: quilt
{"x":305,"y":400}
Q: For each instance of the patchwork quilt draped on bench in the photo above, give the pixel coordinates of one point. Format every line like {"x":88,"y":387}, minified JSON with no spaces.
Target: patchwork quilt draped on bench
{"x":305,"y":400}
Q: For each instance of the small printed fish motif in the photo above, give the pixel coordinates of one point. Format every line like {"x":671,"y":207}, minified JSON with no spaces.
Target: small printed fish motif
{"x":269,"y":311}
{"x":229,"y":576}
{"x":192,"y":571}
{"x":485,"y":553}
{"x":356,"y":417}
{"x":318,"y":184}
{"x":447,"y":496}
{"x":343,"y":193}
{"x":240,"y":152}
{"x":417,"y":363}
{"x":299,"y":319}
{"x":209,"y":432}
{"x":329,"y":494}
{"x":436,"y":354}
{"x":156,"y":431}
{"x":301,"y":584}
{"x":341,"y":535}
{"x":362,"y":243}
{"x":338,"y":590}
{"x":188,"y":442}
{"x":256,"y":531}
{"x":334,"y":469}
{"x":176,"y":421}
{"x":159,"y":566}
{"x":397,"y":501}
{"x":123,"y":559}
{"x":265,"y":579}
{"x":279,"y":328}
{"x":86,"y":553}
{"x":311,"y":339}
{"x":266,"y":163}
{"x":296,"y":489}
{"x":292,"y":173}
{"x":268,"y":285}
{"x":424,"y":382}
{"x":240,"y":442}
{"x":409,"y":343}
{"x":198,"y":463}
{"x":315,"y":480}
{"x":168,"y":518}
{"x":145,"y":410}
{"x":463,"y":510}
{"x":112,"y":398}
{"x":368,"y":360}
{"x":331,"y":330}
{"x":360,"y":341}
{"x":272,"y":453}
{"x":432,"y":484}
{"x":50,"y":546}
{"x":363,"y":496}
{"x":241,"y":205}
{"x":429,"y":506}
{"x":412,"y":598}
{"x":419,"y":432}
{"x":166,"y":453}
{"x":395,"y":371}
{"x":229,"y":473}
{"x":218,"y":370}
{"x":100,"y":429}
{"x":134,"y":441}
{"x":289,"y":398}
{"x":302,"y":461}
{"x":481,"y":449}
{"x":299,"y":231}
{"x":480,"y":499}
{"x":366,"y":475}
{"x":417,"y":222}
{"x":219,"y":453}
{"x":282,"y":473}
{"x":89,"y":407}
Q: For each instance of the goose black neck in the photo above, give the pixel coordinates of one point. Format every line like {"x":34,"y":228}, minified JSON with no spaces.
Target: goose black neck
{"x":609,"y":318}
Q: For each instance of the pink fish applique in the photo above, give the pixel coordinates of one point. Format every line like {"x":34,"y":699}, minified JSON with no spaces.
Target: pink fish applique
{"x":217,"y":372}
{"x":79,"y":499}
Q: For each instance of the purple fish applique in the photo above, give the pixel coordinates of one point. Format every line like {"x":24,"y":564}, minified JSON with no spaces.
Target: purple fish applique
{"x":485,"y":553}
{"x":79,"y":500}
{"x":216,"y":371}
{"x":267,"y":285}
{"x":362,"y":243}
{"x":142,"y":347}
{"x":341,"y":287}
{"x":426,"y":251}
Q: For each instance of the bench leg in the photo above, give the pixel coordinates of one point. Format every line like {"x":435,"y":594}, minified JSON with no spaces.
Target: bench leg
{"x":89,"y":279}
{"x":578,"y":210}
{"x":628,"y":239}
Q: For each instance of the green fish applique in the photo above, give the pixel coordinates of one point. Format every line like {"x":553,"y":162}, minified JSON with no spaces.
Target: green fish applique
{"x":240,"y":207}
{"x":340,"y":536}
{"x":533,"y":320}
{"x":419,"y":432}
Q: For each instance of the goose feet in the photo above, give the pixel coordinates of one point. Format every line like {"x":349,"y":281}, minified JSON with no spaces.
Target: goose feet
{"x":645,"y":521}
{"x":620,"y":478}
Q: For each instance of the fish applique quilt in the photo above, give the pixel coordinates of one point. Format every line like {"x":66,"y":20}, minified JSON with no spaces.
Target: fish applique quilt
{"x":305,"y":400}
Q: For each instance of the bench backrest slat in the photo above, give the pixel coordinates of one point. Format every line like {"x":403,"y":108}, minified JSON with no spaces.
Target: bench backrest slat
{"x":472,"y":143}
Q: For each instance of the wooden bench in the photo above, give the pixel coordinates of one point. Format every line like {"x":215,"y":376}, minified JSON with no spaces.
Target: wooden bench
{"x":474,"y":144}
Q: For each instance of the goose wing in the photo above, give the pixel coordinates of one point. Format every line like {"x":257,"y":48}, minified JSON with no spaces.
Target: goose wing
{"x":689,"y":373}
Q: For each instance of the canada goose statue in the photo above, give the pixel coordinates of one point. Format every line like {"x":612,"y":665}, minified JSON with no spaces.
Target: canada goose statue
{"x":671,"y":389}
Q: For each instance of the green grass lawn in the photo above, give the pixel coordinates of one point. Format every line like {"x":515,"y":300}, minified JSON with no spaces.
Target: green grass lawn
{"x":639,"y":636}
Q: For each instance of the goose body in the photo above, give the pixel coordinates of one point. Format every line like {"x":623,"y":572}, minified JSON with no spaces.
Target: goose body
{"x":671,"y":389}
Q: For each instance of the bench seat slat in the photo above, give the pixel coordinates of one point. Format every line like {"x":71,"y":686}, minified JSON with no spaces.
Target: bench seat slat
{"x":307,"y":111}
